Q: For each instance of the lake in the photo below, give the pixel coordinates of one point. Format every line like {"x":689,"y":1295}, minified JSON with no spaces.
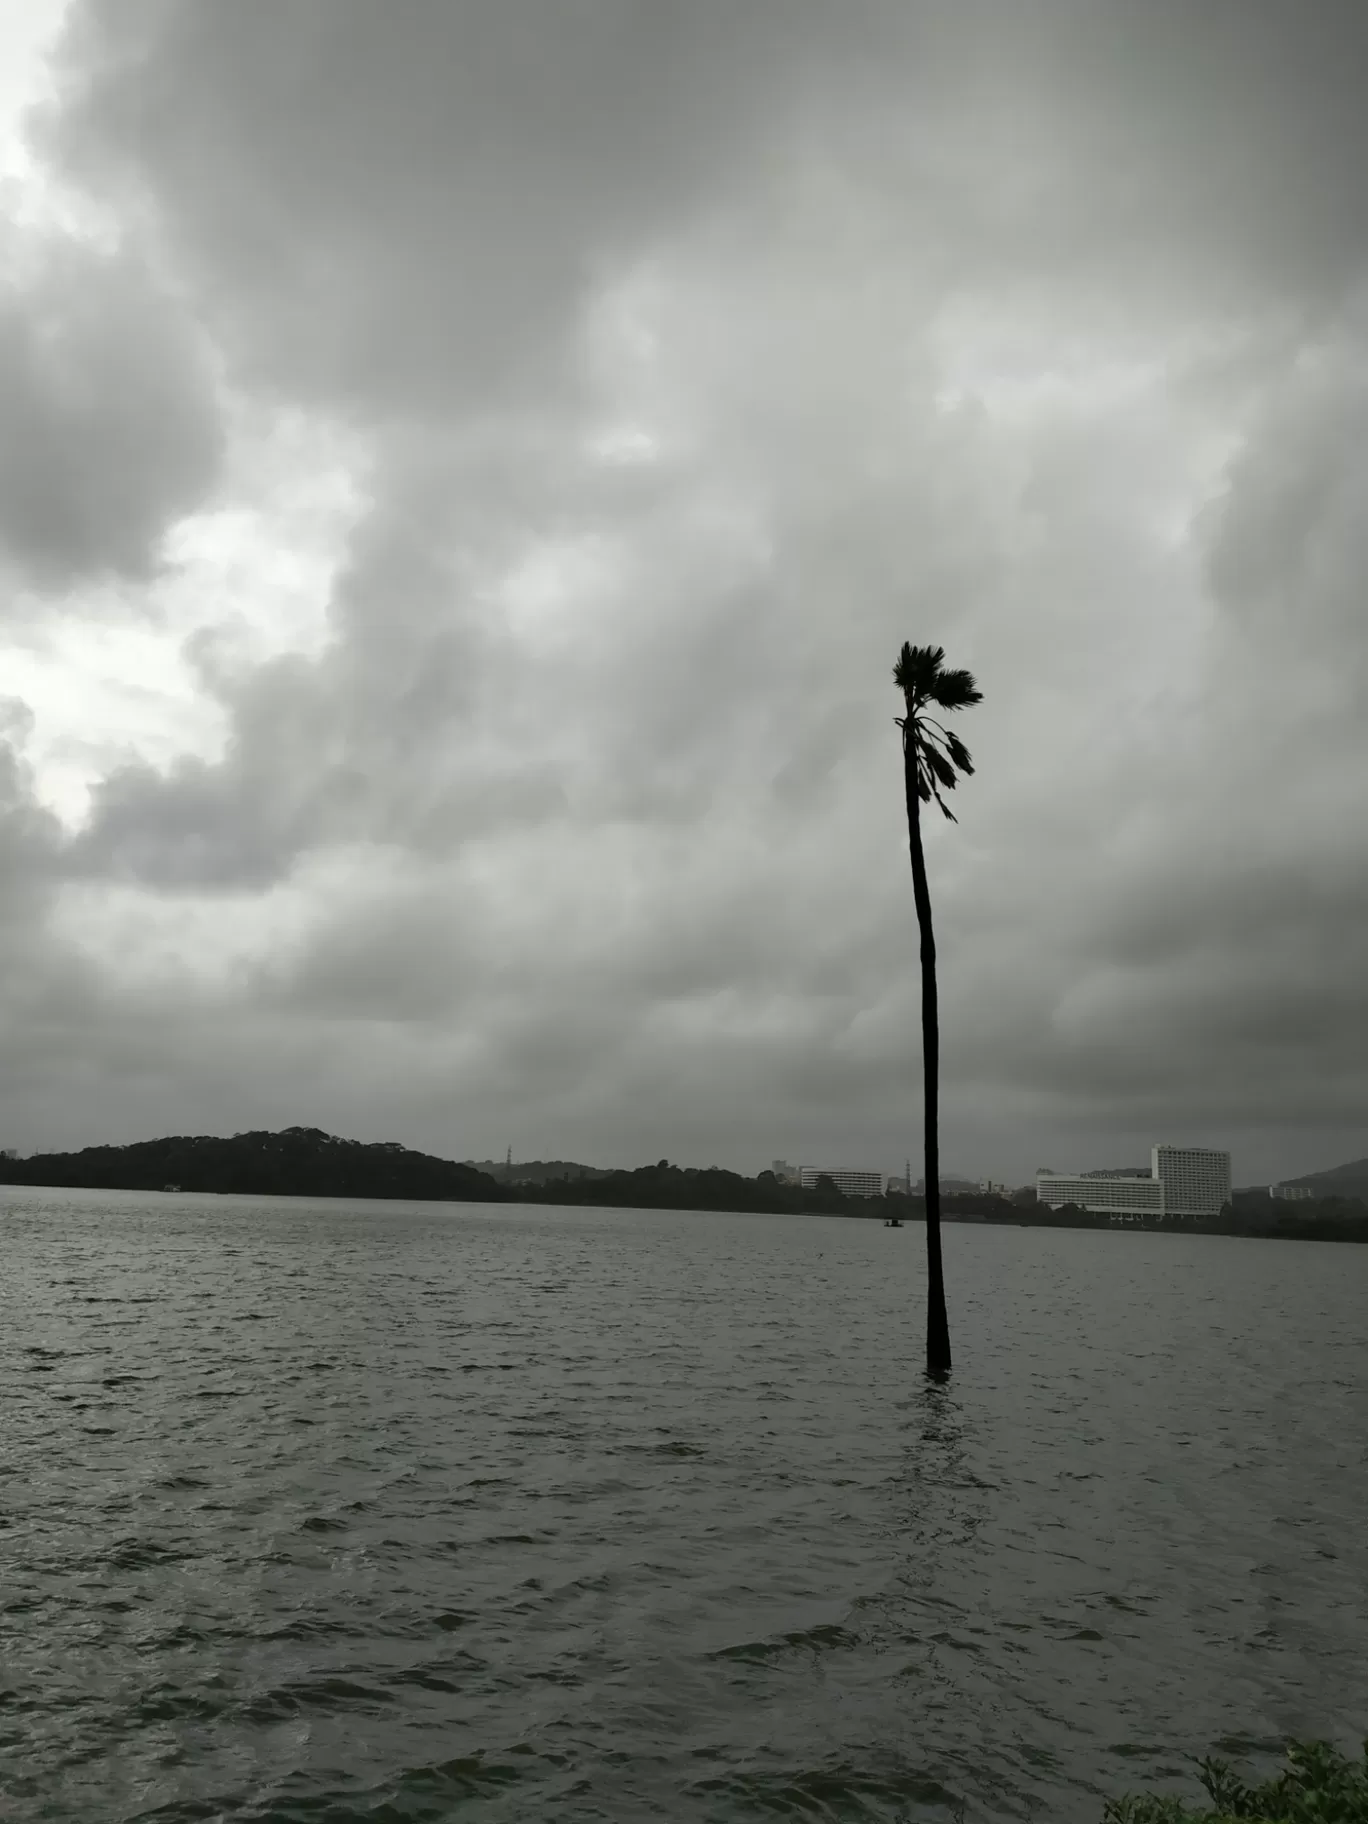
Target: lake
{"x":334,"y":1512}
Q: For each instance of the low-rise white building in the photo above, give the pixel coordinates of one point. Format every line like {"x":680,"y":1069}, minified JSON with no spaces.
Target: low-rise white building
{"x":848,"y":1183}
{"x":1101,"y":1192}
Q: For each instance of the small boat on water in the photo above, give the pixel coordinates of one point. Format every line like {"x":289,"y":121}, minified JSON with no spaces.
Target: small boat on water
{"x":170,"y":1187}
{"x":892,"y":1222}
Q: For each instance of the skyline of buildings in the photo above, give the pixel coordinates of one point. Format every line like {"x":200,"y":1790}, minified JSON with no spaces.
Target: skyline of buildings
{"x":853,"y":1181}
{"x":1181,"y":1181}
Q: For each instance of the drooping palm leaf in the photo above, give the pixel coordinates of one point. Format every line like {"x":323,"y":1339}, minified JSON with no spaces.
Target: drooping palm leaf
{"x":959,"y":753}
{"x":939,"y":767}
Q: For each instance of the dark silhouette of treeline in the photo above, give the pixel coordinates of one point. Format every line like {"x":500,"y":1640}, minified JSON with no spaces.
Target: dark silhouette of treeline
{"x":674,"y":1187}
{"x":1326,"y":1219}
{"x":536,"y":1171}
{"x":1330,"y":1218}
{"x":305,"y":1162}
{"x":299,"y":1162}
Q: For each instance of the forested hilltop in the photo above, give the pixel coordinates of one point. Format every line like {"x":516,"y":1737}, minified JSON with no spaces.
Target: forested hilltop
{"x":305,"y":1162}
{"x":298,"y":1162}
{"x":676,"y":1187}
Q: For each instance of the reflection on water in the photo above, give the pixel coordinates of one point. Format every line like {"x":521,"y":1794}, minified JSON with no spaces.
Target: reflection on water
{"x":340,"y":1512}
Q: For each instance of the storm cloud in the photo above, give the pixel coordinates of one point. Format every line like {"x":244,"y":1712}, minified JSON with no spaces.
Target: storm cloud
{"x":659,"y":370}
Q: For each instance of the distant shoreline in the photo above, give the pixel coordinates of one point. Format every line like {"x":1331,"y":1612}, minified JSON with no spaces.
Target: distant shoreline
{"x":1312,"y":1228}
{"x":1336,"y":1230}
{"x":306,"y":1162}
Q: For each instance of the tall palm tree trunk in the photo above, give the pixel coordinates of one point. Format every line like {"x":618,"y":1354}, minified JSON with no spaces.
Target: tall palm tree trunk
{"x":937,"y":1323}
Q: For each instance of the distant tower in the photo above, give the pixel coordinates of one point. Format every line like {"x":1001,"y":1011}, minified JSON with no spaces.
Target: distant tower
{"x":907,"y":1174}
{"x":508,"y":1161}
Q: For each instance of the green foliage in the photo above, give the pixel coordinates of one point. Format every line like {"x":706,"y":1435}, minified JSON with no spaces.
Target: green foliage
{"x":1317,"y":1786}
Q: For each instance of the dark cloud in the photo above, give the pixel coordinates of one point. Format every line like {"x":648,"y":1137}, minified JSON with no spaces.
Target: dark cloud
{"x":108,"y":421}
{"x":697,"y":356}
{"x":555,"y":136}
{"x":402,"y":212}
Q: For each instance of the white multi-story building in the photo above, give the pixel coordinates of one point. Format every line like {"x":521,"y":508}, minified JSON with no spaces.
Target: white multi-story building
{"x":848,"y":1183}
{"x":1196,"y":1179}
{"x":1291,"y":1193}
{"x":1119,"y":1196}
{"x":1182,"y":1181}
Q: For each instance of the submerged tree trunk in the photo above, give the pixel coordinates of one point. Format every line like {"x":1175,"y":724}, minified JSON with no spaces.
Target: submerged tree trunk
{"x":937,"y":1323}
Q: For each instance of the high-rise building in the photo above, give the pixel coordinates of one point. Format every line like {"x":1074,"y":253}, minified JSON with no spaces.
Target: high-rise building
{"x":1196,"y":1179}
{"x":848,"y":1183}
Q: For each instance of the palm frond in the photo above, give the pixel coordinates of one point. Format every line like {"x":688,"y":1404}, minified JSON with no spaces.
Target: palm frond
{"x":933,"y":774}
{"x":959,"y":753}
{"x":938,"y":767}
{"x":916,"y":670}
{"x":938,"y":757}
{"x":928,"y":734}
{"x":921,"y":676}
{"x":954,"y":690}
{"x":945,"y":808}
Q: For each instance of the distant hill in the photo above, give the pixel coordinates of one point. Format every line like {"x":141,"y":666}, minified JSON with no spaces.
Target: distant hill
{"x":1340,"y":1181}
{"x":297,"y":1162}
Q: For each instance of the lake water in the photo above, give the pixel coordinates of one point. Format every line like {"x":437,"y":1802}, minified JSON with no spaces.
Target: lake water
{"x":336,"y":1512}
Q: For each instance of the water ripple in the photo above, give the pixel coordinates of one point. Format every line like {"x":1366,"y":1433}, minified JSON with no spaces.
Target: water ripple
{"x":342,"y":1512}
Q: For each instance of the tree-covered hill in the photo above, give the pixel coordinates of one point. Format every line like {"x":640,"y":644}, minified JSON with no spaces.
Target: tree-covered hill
{"x":673,"y":1187}
{"x":537,"y":1171}
{"x":297,"y":1162}
{"x":1349,"y":1180}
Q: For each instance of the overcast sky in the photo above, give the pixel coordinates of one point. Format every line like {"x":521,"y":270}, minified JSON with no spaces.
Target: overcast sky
{"x":467,"y":467}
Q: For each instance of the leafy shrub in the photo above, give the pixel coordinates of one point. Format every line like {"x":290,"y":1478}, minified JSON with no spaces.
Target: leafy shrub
{"x":1318,"y":1786}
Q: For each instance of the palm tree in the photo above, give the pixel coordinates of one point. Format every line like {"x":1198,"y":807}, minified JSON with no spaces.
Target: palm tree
{"x":932,"y":760}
